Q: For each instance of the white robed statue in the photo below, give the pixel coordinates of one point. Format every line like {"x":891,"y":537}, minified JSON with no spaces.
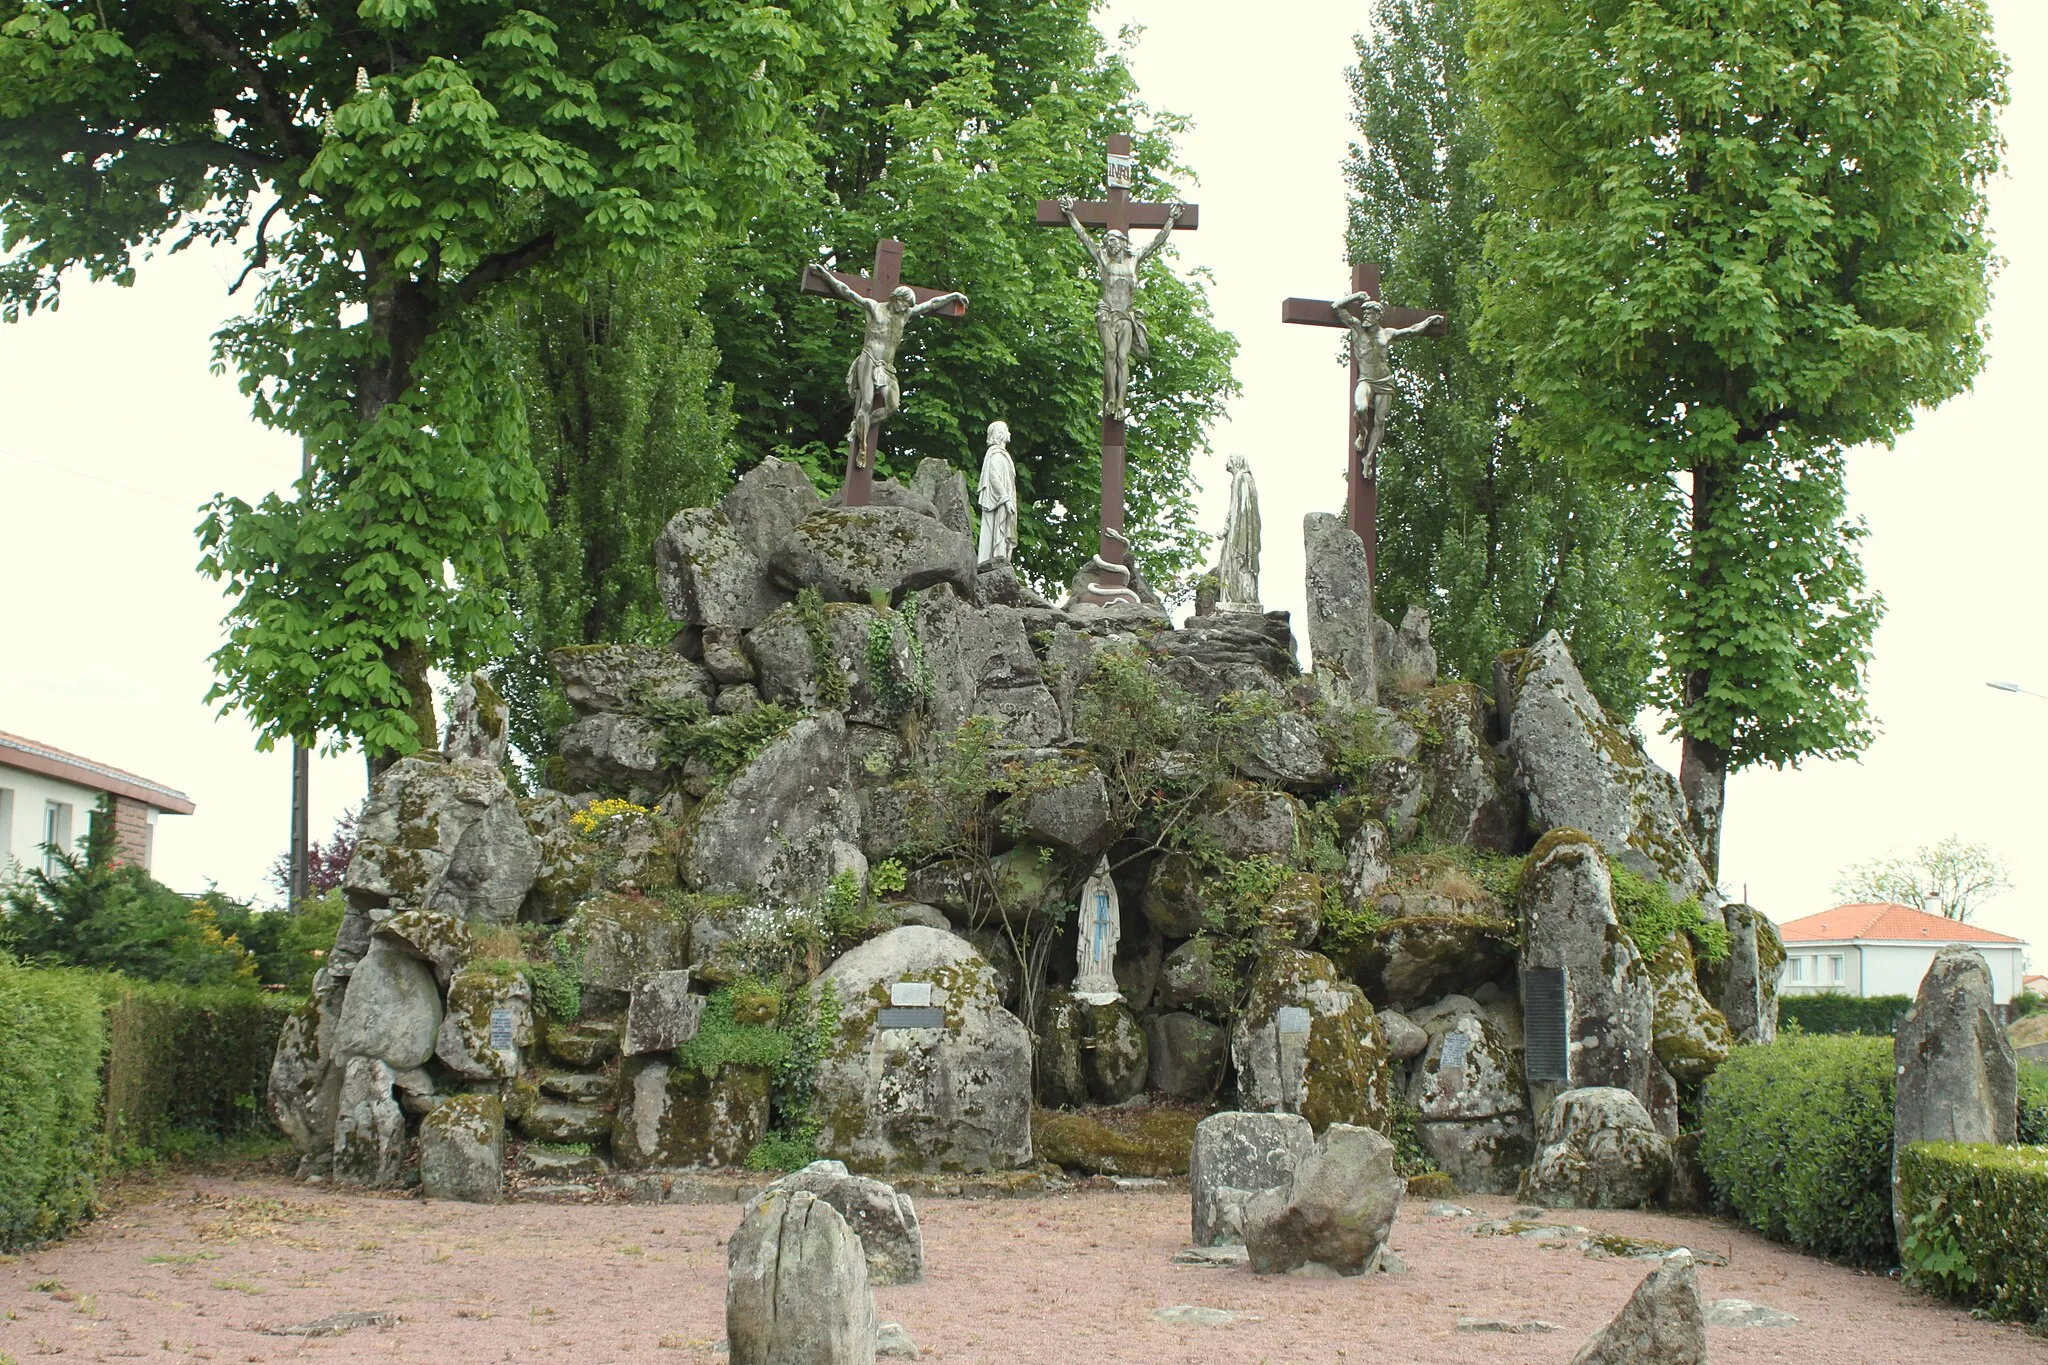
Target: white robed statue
{"x":1101,"y":926}
{"x":1237,"y":561}
{"x":997,"y":499}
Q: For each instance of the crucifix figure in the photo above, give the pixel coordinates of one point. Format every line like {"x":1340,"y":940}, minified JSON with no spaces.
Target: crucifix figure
{"x":1373,"y":327}
{"x":871,"y":380}
{"x":1122,"y":332}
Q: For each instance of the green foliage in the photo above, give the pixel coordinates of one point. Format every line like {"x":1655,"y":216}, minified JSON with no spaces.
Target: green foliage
{"x":1796,"y":1138}
{"x":1833,"y":1013}
{"x":1978,"y":1224}
{"x":723,"y":1041}
{"x":1650,"y":915}
{"x":1411,"y":1158}
{"x":1499,"y":543}
{"x":985,"y":107}
{"x":627,"y":425}
{"x":899,"y":691}
{"x":833,"y":685}
{"x":793,"y":1142}
{"x":186,"y":1065}
{"x":557,"y":978}
{"x":1357,"y":737}
{"x":52,"y":1036}
{"x":887,"y":877}
{"x":289,"y":945}
{"x":2033,"y":1115}
{"x":1730,"y":241}
{"x":724,"y":744}
{"x":848,"y":912}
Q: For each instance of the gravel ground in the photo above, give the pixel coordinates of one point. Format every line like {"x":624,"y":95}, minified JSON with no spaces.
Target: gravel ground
{"x":201,"y":1266}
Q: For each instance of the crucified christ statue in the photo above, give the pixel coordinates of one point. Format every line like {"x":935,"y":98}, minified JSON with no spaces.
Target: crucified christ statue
{"x":1117,"y":320}
{"x":871,"y":381}
{"x":1360,"y":314}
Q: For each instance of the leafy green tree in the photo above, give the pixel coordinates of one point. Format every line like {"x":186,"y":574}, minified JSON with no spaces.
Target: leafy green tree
{"x":1498,"y":542}
{"x":1959,"y":876}
{"x":1732,"y":239}
{"x":628,"y":425}
{"x":988,"y":106}
{"x":398,"y":167}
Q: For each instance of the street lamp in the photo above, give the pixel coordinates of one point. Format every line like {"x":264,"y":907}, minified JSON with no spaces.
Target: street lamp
{"x":2015,"y":687}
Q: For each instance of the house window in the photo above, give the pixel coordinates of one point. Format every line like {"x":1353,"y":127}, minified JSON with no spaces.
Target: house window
{"x":1795,"y":968}
{"x":56,"y":834}
{"x":1835,"y":969}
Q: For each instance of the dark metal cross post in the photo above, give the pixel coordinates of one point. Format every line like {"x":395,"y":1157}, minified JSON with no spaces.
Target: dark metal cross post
{"x":860,"y":462}
{"x":1121,"y":214}
{"x":1363,"y":483}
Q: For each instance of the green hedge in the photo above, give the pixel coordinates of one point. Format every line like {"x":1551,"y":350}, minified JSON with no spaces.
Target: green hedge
{"x":186,"y":1063}
{"x":1876,"y":1015}
{"x":1977,"y":1224}
{"x":52,"y":1036}
{"x":1796,"y":1138}
{"x":2033,"y":1124}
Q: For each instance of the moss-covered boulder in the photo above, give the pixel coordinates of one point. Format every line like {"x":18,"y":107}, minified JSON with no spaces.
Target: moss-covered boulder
{"x":462,"y":1150}
{"x":1176,"y":895}
{"x":1186,"y":1055}
{"x":488,"y":1023}
{"x":1150,"y":1141}
{"x":1251,"y":822}
{"x":668,"y":1115}
{"x":605,"y":846}
{"x":1470,"y":1095}
{"x":1088,"y":1053}
{"x":1294,"y":914}
{"x":622,"y":938}
{"x":861,"y":554}
{"x":439,"y":835}
{"x":1195,"y":979}
{"x":1444,"y":777}
{"x":585,"y":1043}
{"x":785,"y":823}
{"x":1306,"y":1042}
{"x":443,"y":941}
{"x":1408,"y":962}
{"x":1690,"y":1036}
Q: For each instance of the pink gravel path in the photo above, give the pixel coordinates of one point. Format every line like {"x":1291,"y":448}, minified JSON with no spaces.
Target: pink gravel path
{"x":200,"y":1267}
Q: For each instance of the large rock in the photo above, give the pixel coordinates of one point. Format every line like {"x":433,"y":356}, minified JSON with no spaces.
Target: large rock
{"x":980,"y":663}
{"x":1405,"y":659}
{"x":1288,"y":750}
{"x":462,"y":1150}
{"x":956,"y":1097}
{"x":487,"y":1026}
{"x":442,"y":941}
{"x":607,"y":752}
{"x":785,"y":823}
{"x":478,"y":723}
{"x":885,"y":1221}
{"x":1176,"y":893}
{"x":1747,"y":983}
{"x":1237,"y":1156}
{"x":1661,"y":1324}
{"x":1599,"y":1151}
{"x":796,"y":1290}
{"x":1252,"y":823}
{"x":1214,"y":656}
{"x":945,"y":487}
{"x":630,"y":680}
{"x":1340,"y":612}
{"x":711,"y":562}
{"x":623,"y":939}
{"x":860,"y":554}
{"x":1581,"y":770}
{"x":392,"y":1010}
{"x":1335,"y":1212}
{"x":1306,"y":1042}
{"x":796,"y":670}
{"x":627,"y":850}
{"x":1445,"y":777}
{"x":1071,"y":813}
{"x":1088,"y":1053}
{"x":369,"y":1127}
{"x":304,"y":1093}
{"x":1185,"y":1055}
{"x":1568,"y":922}
{"x":663,"y":1013}
{"x":1191,"y":979}
{"x":1958,"y":1078}
{"x":447,"y":836}
{"x":1689,"y":1035}
{"x":669,"y":1115}
{"x":1470,"y":1094}
{"x":1412,"y":960}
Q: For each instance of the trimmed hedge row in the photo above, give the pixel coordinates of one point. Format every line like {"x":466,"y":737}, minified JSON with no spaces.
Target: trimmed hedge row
{"x":1977,"y":1220}
{"x":1796,"y":1139}
{"x":1876,"y":1015}
{"x":52,"y":1036}
{"x":187,"y":1062}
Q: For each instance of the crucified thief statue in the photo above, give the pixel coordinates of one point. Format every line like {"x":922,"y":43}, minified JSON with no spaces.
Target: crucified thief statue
{"x":1117,"y":320}
{"x":1360,"y":314}
{"x":871,"y":381}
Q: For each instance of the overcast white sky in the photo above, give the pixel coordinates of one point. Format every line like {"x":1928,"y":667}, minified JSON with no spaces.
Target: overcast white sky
{"x":114,"y":432}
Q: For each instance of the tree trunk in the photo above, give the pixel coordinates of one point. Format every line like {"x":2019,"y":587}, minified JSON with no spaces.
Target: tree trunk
{"x":1703,"y":777}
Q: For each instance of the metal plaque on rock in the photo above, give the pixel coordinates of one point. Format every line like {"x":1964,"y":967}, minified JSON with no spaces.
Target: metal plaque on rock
{"x":1293,"y":1019}
{"x":1456,"y":1046}
{"x":911,"y":993}
{"x":501,"y":1030}
{"x":1546,"y":1026}
{"x":920,"y":1016}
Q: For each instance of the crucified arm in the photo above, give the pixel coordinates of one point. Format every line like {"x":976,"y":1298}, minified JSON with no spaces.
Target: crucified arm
{"x":1159,"y":241}
{"x":942,"y":301}
{"x":846,"y":291}
{"x":1094,"y":251}
{"x":1417,"y":330}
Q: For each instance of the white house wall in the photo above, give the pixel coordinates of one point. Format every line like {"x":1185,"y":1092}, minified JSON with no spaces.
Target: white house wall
{"x":1896,"y":968}
{"x":29,"y":794}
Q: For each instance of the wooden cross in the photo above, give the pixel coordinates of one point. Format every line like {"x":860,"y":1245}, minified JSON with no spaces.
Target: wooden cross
{"x":1121,"y":214}
{"x":1363,"y":482}
{"x":860,"y":462}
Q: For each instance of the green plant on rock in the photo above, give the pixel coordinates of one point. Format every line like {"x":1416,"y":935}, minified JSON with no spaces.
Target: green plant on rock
{"x":556,"y":977}
{"x":833,"y":686}
{"x":722,"y":1040}
{"x":1650,"y":915}
{"x":1357,"y":737}
{"x":793,"y":1141}
{"x":900,"y":693}
{"x":723,"y":744}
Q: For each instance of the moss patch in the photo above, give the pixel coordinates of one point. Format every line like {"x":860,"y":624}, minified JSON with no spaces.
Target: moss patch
{"x":1153,"y":1141}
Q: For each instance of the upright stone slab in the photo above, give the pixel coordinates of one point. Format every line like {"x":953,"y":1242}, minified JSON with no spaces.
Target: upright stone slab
{"x":785,"y":823}
{"x":440,"y":835}
{"x":1663,"y":1322}
{"x":1334,"y":1213}
{"x":462,"y":1150}
{"x":1958,"y":1080}
{"x":711,"y":563}
{"x":1340,"y":614}
{"x":663,"y":1014}
{"x":1470,"y":1094}
{"x":1306,"y":1043}
{"x":1600,"y":1151}
{"x":1749,"y":992}
{"x":885,"y":1221}
{"x":796,"y":1290}
{"x":1236,"y":1156}
{"x":369,"y":1128}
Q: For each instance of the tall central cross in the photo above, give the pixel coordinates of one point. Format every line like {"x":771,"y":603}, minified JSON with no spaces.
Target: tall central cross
{"x":860,"y":455}
{"x":1118,"y":213}
{"x":1362,"y":483}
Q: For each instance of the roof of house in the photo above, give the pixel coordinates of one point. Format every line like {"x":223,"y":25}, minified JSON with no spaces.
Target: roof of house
{"x":1885,"y":922}
{"x":31,"y":756}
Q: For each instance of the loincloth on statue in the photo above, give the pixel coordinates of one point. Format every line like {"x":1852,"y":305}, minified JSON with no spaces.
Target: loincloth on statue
{"x":1141,"y":339}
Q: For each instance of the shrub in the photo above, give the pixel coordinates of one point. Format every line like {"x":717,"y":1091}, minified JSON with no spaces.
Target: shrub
{"x":1797,"y":1141}
{"x":186,"y":1065}
{"x":1877,"y":1015}
{"x":52,"y":1036}
{"x":93,"y":912}
{"x":1977,"y":1224}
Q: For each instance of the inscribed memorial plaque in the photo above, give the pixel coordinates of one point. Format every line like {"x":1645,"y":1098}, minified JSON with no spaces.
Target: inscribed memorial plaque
{"x":501,"y":1030}
{"x":1546,"y":1027}
{"x":1293,"y":1019}
{"x":911,"y":993}
{"x":896,"y":1016}
{"x":1456,"y":1046}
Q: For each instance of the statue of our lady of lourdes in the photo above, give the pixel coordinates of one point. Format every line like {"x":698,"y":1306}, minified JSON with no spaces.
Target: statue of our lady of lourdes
{"x":997,"y":499}
{"x":1237,"y":560}
{"x":1100,"y":927}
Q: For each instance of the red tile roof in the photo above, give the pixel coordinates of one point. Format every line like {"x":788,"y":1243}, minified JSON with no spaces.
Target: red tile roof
{"x":1885,"y":922}
{"x":33,"y":756}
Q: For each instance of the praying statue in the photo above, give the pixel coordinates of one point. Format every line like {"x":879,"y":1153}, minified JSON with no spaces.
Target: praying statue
{"x":1101,"y":926}
{"x":1237,"y":560}
{"x":997,"y":499}
{"x":1117,"y":320}
{"x":1360,"y":314}
{"x":871,"y":382}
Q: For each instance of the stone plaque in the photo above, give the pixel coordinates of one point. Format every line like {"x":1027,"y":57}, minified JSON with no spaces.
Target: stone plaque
{"x":897,"y":1016}
{"x":501,"y":1030}
{"x":1293,"y":1019}
{"x":1456,"y":1045}
{"x":1546,"y":1026}
{"x":911,"y":993}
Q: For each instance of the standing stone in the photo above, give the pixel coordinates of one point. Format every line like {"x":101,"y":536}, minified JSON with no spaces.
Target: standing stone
{"x":1469,"y":1092}
{"x":304,"y":1093}
{"x":663,"y":1014}
{"x":1340,"y":615}
{"x":1336,"y":1211}
{"x":369,"y":1127}
{"x":448,"y":836}
{"x":785,"y":823}
{"x":1958,"y":1078}
{"x":1185,"y":1055}
{"x":392,"y":1010}
{"x":1661,"y":1324}
{"x":711,"y":563}
{"x":885,"y":1221}
{"x":1236,"y":1156}
{"x":796,"y":1290}
{"x":945,"y":488}
{"x":1600,"y":1151}
{"x":1405,"y":657}
{"x":1101,"y":925}
{"x":1749,"y":992}
{"x":477,"y":723}
{"x":1690,"y":1036}
{"x":462,"y":1150}
{"x":1306,"y":1043}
